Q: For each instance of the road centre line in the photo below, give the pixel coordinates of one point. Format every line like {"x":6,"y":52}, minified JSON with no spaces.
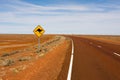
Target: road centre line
{"x":71,"y":63}
{"x":116,"y":53}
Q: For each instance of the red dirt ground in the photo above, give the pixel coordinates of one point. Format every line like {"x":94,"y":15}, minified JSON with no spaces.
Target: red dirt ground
{"x":27,"y":63}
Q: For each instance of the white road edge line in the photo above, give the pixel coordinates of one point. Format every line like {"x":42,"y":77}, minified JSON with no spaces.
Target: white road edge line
{"x":116,"y":54}
{"x":71,"y":63}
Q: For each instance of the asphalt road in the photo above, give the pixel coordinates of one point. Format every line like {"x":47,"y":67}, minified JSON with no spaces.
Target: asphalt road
{"x":95,"y":60}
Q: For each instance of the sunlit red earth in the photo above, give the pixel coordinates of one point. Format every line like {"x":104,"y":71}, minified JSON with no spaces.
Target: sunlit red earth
{"x":21,"y":60}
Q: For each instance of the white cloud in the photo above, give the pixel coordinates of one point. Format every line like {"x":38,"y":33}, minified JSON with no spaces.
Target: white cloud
{"x":60,"y":19}
{"x":18,"y":6}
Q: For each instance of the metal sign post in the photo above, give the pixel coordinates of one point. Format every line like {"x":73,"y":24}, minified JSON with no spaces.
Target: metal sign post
{"x":38,"y":44}
{"x":39,"y":32}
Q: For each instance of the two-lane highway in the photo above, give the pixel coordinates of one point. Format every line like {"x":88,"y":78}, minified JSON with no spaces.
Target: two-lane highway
{"x":94,"y":60}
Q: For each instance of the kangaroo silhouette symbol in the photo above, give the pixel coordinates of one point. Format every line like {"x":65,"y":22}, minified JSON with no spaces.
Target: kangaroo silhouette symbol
{"x":39,"y":30}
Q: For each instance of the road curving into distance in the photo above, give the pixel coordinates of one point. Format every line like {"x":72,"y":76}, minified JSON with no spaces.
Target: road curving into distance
{"x":95,"y":60}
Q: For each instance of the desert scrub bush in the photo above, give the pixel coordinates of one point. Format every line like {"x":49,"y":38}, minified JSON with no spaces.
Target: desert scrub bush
{"x":5,"y":54}
{"x":18,"y":69}
{"x":44,"y":50}
{"x":8,"y":62}
{"x":24,"y":58}
{"x":9,"y":54}
{"x":38,"y":51}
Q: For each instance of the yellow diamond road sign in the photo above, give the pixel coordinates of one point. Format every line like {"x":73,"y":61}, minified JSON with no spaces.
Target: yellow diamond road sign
{"x":39,"y":31}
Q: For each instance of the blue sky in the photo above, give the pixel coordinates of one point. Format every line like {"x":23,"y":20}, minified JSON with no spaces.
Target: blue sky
{"x":60,"y":16}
